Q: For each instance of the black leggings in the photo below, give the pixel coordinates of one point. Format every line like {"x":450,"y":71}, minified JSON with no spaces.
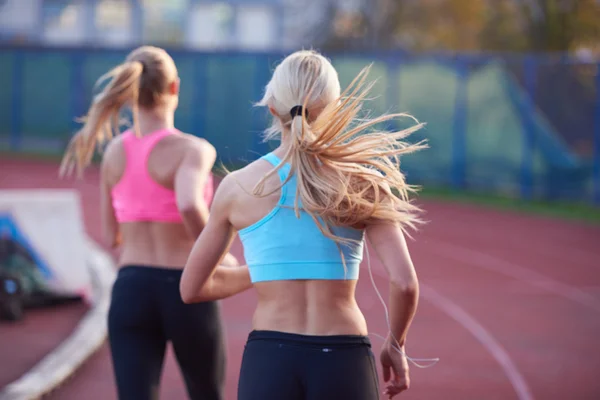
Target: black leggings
{"x":285,"y":366}
{"x":146,"y":312}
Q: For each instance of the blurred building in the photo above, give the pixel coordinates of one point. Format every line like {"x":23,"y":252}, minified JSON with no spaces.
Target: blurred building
{"x":194,"y":24}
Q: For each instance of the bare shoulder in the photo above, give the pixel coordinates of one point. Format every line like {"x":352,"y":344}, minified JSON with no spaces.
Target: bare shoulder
{"x":227,"y":186}
{"x":225,"y":196}
{"x":240,"y":184}
{"x":113,"y":155}
{"x":252,"y":173}
{"x":195,"y":143}
{"x":185,"y":150}
{"x":114,"y":147}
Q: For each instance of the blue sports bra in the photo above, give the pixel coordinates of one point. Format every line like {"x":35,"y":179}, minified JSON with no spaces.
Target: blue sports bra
{"x":281,"y":246}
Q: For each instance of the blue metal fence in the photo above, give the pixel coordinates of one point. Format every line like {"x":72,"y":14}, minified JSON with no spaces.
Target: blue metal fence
{"x":529,"y":126}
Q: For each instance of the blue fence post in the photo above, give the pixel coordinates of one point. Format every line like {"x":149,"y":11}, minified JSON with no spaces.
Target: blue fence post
{"x":17,"y":102}
{"x":260,"y":116}
{"x":89,"y":14}
{"x":528,"y":129}
{"x":393,"y":86}
{"x":596,"y":161}
{"x":137,"y":22}
{"x":459,"y":128}
{"x":40,"y":26}
{"x":200,"y":94}
{"x":78,"y":103}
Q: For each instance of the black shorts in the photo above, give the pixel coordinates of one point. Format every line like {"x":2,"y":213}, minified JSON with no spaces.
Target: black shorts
{"x":285,"y":366}
{"x":146,"y":312}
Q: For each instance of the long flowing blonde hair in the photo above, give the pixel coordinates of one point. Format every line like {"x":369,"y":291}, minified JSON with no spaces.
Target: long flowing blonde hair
{"x":348,"y":172}
{"x":141,"y":81}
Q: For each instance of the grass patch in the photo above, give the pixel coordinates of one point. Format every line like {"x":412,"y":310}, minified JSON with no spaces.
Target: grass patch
{"x":30,"y":156}
{"x":557,"y":209}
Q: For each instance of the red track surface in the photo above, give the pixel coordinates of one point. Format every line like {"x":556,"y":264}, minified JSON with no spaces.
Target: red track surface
{"x":510,"y":303}
{"x":24,"y":344}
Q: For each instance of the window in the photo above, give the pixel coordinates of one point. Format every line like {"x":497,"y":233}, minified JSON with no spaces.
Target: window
{"x":211,"y":26}
{"x":256,"y":27}
{"x":113,"y":22}
{"x":19,"y":17}
{"x":164,"y":21}
{"x":63,"y":21}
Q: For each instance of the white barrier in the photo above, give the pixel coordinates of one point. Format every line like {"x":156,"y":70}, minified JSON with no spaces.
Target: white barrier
{"x":47,"y":225}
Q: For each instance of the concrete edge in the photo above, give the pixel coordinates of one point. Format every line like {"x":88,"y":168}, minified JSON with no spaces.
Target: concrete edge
{"x":85,"y":339}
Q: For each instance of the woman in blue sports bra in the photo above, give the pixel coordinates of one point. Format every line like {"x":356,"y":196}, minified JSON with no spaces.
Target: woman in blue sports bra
{"x":302,"y":213}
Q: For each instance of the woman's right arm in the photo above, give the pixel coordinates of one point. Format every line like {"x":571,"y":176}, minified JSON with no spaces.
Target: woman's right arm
{"x":190,"y":179}
{"x":390,"y":246}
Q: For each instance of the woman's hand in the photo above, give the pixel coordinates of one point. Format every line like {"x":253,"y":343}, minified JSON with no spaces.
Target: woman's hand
{"x":395,"y":369}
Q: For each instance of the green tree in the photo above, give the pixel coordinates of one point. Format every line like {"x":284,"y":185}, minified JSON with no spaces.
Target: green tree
{"x":560,"y":25}
{"x":411,"y":24}
{"x":503,"y":28}
{"x":466,"y":25}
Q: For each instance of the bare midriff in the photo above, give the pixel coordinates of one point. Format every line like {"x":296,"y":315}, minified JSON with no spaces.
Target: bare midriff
{"x":165,"y":245}
{"x":309,"y":307}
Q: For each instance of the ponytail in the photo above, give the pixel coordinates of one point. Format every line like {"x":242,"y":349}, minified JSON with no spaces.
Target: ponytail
{"x":348,"y":174}
{"x":102,"y":120}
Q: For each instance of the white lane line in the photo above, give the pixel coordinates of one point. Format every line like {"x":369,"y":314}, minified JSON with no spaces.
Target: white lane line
{"x":567,"y":252}
{"x":484,"y":337}
{"x":493,"y":347}
{"x":534,"y":278}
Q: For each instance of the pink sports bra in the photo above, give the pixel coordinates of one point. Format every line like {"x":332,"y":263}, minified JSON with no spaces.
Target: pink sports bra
{"x":137,"y":197}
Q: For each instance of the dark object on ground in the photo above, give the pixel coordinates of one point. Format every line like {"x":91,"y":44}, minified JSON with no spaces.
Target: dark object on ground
{"x":22,"y":285}
{"x":11,"y":304}
{"x":14,"y":302}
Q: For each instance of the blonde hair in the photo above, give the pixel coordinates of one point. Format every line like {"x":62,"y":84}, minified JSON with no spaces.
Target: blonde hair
{"x":348,"y":173}
{"x":141,"y":81}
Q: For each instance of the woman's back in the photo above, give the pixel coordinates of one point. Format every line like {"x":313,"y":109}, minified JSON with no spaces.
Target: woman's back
{"x":154,"y":193}
{"x":309,"y":336}
{"x":301,"y":281}
{"x":140,"y":174}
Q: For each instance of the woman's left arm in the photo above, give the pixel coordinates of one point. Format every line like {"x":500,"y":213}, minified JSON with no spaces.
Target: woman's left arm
{"x":110,"y":226}
{"x":203,"y":278}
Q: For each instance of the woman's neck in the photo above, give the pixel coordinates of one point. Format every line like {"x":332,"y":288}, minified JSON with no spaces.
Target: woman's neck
{"x":150,"y":121}
{"x":284,"y":144}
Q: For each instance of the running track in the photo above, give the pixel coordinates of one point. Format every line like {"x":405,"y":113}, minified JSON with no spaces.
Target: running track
{"x":510,"y":303}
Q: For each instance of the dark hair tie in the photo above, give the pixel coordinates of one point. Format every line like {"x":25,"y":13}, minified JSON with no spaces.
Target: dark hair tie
{"x":298,"y":110}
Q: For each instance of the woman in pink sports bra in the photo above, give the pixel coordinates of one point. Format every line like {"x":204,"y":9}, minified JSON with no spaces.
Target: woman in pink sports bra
{"x":156,"y":186}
